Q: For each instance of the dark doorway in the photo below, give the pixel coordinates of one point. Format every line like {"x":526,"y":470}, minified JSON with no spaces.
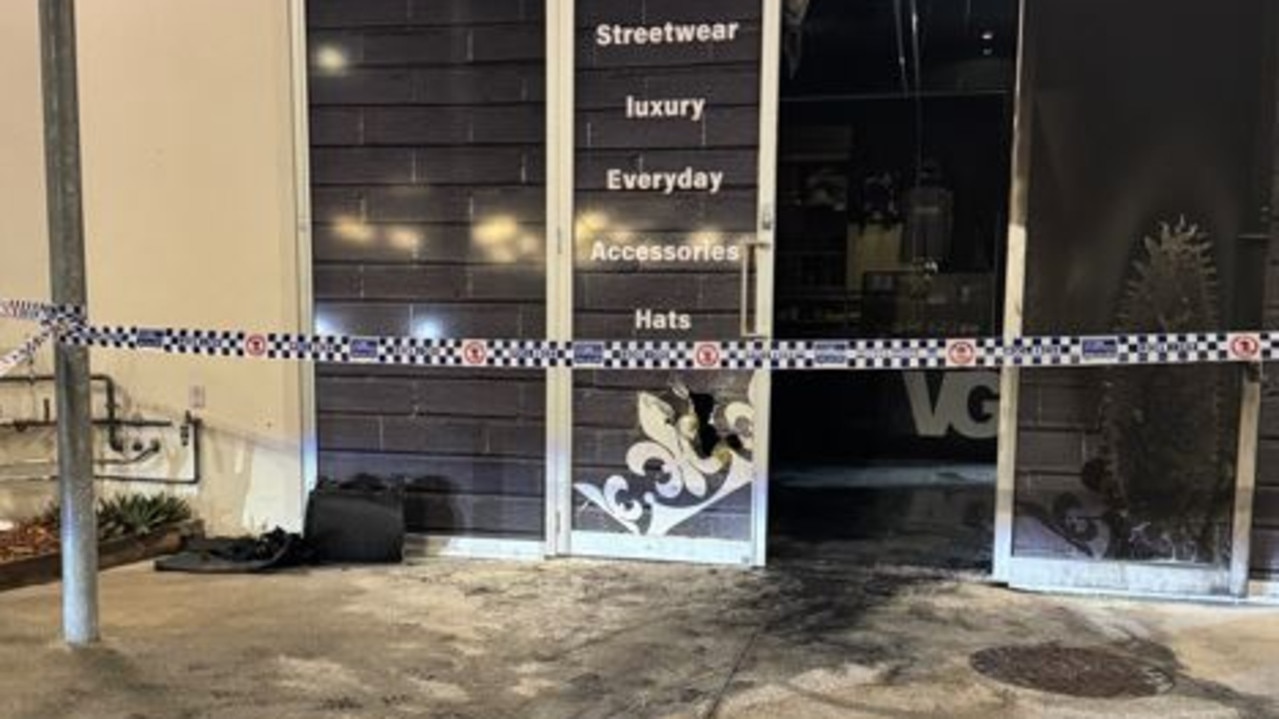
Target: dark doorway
{"x":893,"y":170}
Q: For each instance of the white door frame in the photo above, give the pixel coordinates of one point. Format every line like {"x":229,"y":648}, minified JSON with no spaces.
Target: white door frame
{"x":1014,"y":292}
{"x":766,"y":233}
{"x":559,"y":269}
{"x":560,"y":537}
{"x":298,"y":79}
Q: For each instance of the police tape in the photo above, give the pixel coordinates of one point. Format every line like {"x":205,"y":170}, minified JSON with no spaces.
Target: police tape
{"x":23,"y":353}
{"x":43,"y":312}
{"x":852,"y":354}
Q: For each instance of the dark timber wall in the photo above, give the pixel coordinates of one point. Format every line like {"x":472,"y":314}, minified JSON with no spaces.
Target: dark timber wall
{"x":427,"y":160}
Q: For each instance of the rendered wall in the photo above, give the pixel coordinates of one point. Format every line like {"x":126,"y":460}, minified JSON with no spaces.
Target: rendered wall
{"x":189,"y":199}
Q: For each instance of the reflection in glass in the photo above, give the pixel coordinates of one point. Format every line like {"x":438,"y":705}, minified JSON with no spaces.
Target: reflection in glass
{"x":427,"y":187}
{"x":502,"y":239}
{"x":404,"y":238}
{"x":1150,"y":170}
{"x":331,"y":59}
{"x":354,"y":230}
{"x":1156,"y":483}
{"x":427,"y":327}
{"x":324,"y":325}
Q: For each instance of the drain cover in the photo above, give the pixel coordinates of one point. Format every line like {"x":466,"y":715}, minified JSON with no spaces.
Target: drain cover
{"x":1073,"y":671}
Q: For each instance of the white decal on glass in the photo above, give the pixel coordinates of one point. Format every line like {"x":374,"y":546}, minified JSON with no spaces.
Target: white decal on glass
{"x":688,"y":481}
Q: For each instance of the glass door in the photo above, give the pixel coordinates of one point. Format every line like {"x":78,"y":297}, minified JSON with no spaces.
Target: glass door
{"x":1142,"y":179}
{"x":668,"y":247}
{"x":892,"y":193}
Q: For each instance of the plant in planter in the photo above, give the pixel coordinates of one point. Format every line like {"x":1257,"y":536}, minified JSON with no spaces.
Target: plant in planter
{"x":135,"y":514}
{"x":130,"y":527}
{"x":126,"y":515}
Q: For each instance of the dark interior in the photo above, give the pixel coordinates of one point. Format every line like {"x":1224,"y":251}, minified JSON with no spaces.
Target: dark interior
{"x":893,"y":171}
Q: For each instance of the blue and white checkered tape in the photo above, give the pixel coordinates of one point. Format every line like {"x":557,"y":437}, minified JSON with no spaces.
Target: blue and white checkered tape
{"x":42,"y":312}
{"x":855,"y":354}
{"x":516,"y":354}
{"x":23,"y":353}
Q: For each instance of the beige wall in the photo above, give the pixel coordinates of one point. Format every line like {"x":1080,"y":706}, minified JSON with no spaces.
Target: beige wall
{"x":23,"y":243}
{"x":189,"y":199}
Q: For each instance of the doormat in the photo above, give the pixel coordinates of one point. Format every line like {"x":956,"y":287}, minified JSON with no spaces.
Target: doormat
{"x":1073,"y":671}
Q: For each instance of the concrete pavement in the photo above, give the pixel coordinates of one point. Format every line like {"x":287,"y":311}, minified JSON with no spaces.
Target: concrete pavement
{"x":479,"y":639}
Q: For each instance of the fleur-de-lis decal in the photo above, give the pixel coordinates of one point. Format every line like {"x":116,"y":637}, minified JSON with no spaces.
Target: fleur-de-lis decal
{"x":685,"y":470}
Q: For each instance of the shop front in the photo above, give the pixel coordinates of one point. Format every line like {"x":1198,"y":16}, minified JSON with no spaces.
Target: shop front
{"x":657,"y":172}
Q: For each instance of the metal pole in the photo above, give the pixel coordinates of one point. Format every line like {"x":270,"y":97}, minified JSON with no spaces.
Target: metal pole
{"x":67,"y":278}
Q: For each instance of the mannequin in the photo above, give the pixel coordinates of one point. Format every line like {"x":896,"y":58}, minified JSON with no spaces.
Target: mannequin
{"x":929,"y":218}
{"x":875,"y":240}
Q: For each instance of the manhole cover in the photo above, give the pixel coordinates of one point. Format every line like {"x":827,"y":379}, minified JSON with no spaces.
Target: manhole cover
{"x":1074,"y":671}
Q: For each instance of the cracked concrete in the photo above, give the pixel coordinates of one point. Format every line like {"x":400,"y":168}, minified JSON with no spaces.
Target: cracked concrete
{"x":476,"y":639}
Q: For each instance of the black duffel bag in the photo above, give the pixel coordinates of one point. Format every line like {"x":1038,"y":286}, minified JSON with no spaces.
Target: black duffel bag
{"x":358,"y":520}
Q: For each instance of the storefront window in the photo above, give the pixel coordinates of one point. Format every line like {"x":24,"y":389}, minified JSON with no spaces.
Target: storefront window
{"x":1149,"y":179}
{"x":666,"y":205}
{"x":428,"y":189}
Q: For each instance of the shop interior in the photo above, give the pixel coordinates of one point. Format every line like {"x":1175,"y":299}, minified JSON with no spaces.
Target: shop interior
{"x":893,"y":178}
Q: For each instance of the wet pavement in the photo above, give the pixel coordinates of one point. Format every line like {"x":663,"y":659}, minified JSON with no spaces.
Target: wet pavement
{"x":478,"y":639}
